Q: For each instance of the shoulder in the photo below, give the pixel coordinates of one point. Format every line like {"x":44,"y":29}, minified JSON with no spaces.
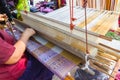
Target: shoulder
{"x":7,"y":37}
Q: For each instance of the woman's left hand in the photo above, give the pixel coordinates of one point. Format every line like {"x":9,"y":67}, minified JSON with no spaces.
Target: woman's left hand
{"x":3,"y":17}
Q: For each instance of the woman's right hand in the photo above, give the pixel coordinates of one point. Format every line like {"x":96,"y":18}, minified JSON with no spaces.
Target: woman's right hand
{"x":28,"y":32}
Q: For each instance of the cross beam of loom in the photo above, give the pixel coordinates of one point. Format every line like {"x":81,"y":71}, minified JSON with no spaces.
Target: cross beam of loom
{"x":56,"y":30}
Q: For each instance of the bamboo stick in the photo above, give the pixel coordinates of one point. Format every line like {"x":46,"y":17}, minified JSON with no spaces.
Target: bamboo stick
{"x":101,"y":4}
{"x":118,"y":6}
{"x":108,"y":2}
{"x":94,"y":4}
{"x":104,"y":4}
{"x":89,"y":3}
{"x":112,"y":5}
{"x":116,"y":1}
{"x":77,"y":2}
{"x":98,"y":4}
{"x":81,"y":2}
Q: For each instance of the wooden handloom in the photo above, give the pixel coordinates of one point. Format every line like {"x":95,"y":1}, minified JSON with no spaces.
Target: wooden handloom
{"x":58,"y":32}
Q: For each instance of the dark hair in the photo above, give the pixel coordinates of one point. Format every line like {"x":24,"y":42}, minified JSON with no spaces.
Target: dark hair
{"x":15,"y":2}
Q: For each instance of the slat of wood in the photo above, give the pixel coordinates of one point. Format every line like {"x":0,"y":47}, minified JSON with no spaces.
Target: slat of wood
{"x":103,"y":60}
{"x":107,"y":56}
{"x":109,"y":24}
{"x":89,"y":19}
{"x":104,"y":28}
{"x":94,"y":28}
{"x":82,"y":47}
{"x":101,"y":25}
{"x":99,"y":67}
{"x":82,"y":17}
{"x":117,"y":66}
{"x":107,"y":50}
{"x":117,"y":50}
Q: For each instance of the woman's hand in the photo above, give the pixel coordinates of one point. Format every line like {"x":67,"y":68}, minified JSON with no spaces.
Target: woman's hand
{"x":3,"y":17}
{"x":28,"y":32}
{"x":20,"y":46}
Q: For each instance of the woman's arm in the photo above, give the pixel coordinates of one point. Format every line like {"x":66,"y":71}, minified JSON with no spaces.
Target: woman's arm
{"x":20,"y":46}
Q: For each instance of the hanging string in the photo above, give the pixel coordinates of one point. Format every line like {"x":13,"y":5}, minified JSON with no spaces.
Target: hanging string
{"x":72,"y":9}
{"x":86,"y":67}
{"x":86,"y":36}
{"x":71,"y":25}
{"x":71,"y":15}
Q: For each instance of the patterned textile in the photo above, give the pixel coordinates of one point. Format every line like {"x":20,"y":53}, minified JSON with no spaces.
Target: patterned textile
{"x":53,"y":57}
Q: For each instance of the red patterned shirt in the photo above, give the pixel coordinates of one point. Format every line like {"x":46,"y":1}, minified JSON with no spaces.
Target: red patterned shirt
{"x":13,"y":71}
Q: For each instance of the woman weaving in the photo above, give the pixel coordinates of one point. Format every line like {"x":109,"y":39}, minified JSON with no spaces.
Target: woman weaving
{"x":14,"y":64}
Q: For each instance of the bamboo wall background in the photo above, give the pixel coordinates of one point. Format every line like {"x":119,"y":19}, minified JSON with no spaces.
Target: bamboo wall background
{"x":113,"y":5}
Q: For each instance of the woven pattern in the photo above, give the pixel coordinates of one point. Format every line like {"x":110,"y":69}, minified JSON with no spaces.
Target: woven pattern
{"x":53,"y":57}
